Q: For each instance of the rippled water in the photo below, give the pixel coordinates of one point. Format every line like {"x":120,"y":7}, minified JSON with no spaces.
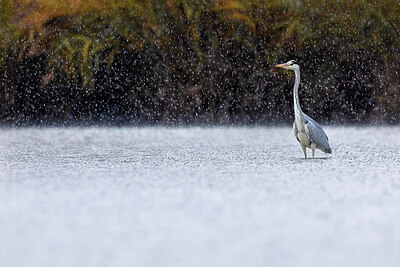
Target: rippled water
{"x":198,"y":197}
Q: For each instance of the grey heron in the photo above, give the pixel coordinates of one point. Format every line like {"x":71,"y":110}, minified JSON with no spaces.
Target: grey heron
{"x":306,"y":130}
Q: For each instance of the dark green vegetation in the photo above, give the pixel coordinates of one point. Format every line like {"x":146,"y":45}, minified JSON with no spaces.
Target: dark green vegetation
{"x":203,"y":62}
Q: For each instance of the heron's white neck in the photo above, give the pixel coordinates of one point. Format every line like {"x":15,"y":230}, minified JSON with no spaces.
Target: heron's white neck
{"x":297,"y":108}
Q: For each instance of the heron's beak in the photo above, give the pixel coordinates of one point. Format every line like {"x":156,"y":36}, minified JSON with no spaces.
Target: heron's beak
{"x":280,"y":65}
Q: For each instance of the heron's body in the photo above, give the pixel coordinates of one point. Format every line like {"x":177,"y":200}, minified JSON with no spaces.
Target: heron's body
{"x":306,"y":130}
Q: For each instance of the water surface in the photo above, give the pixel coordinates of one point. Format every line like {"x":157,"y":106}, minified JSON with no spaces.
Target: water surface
{"x":198,"y":197}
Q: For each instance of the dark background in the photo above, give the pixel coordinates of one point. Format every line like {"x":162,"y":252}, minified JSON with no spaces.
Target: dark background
{"x":199,"y":62}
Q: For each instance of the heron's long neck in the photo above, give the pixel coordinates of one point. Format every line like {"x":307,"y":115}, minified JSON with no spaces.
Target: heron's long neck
{"x":297,"y":108}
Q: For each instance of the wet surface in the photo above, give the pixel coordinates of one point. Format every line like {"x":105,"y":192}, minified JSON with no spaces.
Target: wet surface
{"x":198,"y":197}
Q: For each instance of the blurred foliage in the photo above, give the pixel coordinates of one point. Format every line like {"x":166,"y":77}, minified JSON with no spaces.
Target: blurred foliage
{"x":197,"y":61}
{"x":6,"y":29}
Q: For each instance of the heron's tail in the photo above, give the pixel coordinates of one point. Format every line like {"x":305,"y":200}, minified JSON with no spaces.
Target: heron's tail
{"x":328,"y":150}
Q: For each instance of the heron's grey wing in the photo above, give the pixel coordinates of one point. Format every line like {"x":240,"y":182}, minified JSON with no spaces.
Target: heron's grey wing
{"x":316,"y":134}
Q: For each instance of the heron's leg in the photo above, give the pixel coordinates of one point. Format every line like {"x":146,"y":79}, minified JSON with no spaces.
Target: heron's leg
{"x":313,"y":146}
{"x":304,"y":150}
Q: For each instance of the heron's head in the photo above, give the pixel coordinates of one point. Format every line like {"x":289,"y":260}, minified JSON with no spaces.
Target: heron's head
{"x":290,"y":65}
